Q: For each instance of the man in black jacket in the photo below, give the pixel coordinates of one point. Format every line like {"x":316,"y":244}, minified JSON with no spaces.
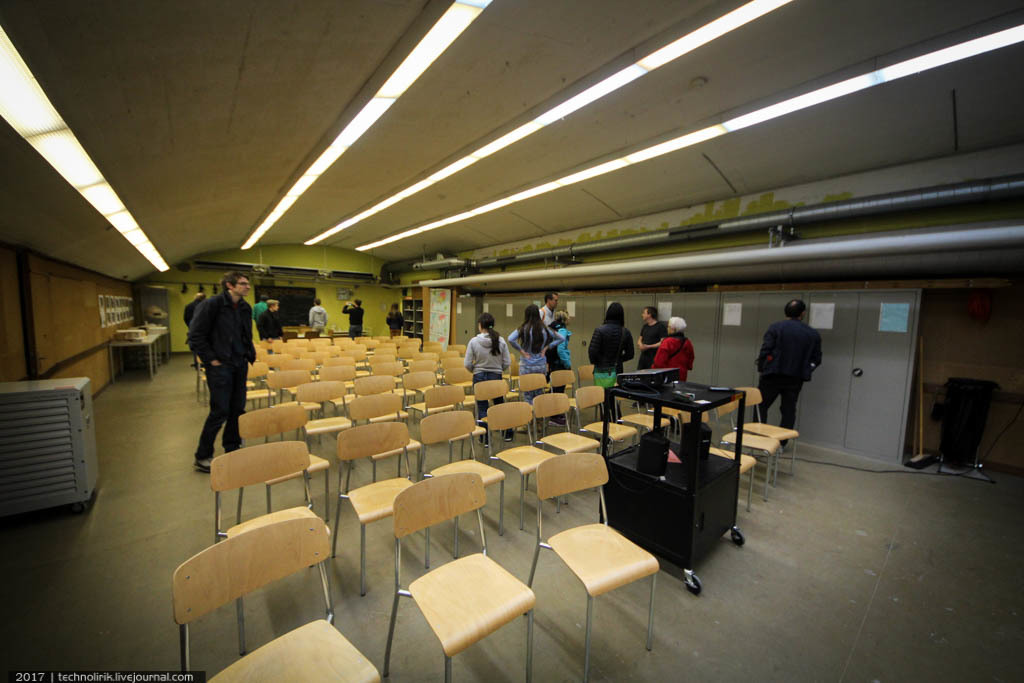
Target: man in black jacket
{"x":190,"y":311}
{"x":268,"y":324}
{"x":789,"y":354}
{"x":221,"y":335}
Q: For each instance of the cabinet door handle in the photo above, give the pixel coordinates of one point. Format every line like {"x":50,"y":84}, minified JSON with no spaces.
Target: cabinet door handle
{"x":857,"y":372}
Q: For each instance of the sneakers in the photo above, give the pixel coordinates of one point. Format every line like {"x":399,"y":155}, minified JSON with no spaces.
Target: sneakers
{"x":202,"y":465}
{"x":509,"y":435}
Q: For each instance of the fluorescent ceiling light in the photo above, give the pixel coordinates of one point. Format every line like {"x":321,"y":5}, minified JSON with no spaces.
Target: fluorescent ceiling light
{"x":441,"y":35}
{"x":28,"y":110}
{"x":688,"y":43}
{"x":845,"y":87}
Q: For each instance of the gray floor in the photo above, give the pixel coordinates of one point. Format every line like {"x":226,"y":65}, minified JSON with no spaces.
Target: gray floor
{"x":846,"y":575}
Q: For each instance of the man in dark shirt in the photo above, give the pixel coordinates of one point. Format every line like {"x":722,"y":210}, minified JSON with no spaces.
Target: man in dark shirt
{"x":789,"y":354}
{"x":650,"y":338}
{"x":268,"y":324}
{"x":355,"y":318}
{"x":221,"y":335}
{"x":190,"y":311}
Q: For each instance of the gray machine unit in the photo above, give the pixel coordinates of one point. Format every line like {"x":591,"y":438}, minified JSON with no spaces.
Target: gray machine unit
{"x":47,"y":444}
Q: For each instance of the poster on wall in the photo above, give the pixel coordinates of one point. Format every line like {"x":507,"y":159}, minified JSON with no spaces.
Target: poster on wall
{"x":440,"y":315}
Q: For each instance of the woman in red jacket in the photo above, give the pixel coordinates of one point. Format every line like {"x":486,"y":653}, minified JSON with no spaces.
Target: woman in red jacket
{"x":675,"y":351}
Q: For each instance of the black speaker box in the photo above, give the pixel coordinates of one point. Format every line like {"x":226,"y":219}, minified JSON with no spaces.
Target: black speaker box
{"x":704,"y":440}
{"x":653,"y":454}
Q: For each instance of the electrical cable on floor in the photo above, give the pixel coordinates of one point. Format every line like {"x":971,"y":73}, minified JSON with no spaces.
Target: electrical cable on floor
{"x":864,"y":469}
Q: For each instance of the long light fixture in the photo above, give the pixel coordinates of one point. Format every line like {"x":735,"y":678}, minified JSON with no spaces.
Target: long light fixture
{"x":932,"y":60}
{"x":443,"y":33}
{"x":28,"y":110}
{"x":688,"y":43}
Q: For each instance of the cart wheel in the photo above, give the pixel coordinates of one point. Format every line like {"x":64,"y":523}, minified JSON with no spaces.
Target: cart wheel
{"x":695,"y":586}
{"x":78,"y":508}
{"x":737,"y":536}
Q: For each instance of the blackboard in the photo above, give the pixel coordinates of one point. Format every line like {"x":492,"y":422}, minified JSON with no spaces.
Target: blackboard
{"x":295,"y":302}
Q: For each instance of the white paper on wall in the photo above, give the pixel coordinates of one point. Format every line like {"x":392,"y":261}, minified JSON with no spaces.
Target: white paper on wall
{"x":458,"y":308}
{"x":508,"y":310}
{"x":570,"y":308}
{"x":487,"y":307}
{"x":823,"y":316}
{"x":732,"y":314}
{"x":664,"y":310}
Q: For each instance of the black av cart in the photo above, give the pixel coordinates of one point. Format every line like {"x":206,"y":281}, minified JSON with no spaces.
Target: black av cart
{"x":683,"y":514}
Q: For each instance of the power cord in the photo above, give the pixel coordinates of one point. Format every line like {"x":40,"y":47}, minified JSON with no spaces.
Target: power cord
{"x":905,"y":471}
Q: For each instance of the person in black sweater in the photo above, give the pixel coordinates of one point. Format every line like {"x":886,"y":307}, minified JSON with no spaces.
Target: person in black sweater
{"x":790,"y":352}
{"x":611,"y":344}
{"x":355,"y":318}
{"x":190,"y":311}
{"x":269,"y":324}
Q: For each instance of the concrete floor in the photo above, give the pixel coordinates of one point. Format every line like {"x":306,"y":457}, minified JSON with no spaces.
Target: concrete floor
{"x":846,"y":575}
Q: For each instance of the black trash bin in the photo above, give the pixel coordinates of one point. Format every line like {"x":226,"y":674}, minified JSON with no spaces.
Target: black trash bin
{"x":963,"y":419}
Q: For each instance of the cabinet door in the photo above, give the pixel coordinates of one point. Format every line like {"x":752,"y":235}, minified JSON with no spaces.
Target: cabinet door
{"x":738,"y":343}
{"x":771,"y":307}
{"x":824,"y":401}
{"x":467,"y":310}
{"x":701,"y":312}
{"x":880,"y":380}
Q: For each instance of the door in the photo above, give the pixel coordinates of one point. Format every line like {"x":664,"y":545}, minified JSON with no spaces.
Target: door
{"x":824,"y":401}
{"x":881,"y":377}
{"x":467,"y":310}
{"x":738,"y":339}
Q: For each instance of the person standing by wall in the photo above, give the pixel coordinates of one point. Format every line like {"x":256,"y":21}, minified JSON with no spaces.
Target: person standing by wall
{"x":269,"y":324}
{"x":610,"y":346}
{"x":395,"y":321}
{"x":675,"y":351}
{"x":190,"y":311}
{"x":354,"y":311}
{"x":531,"y":340}
{"x":259,"y":308}
{"x":547,"y":312}
{"x":221,"y":335}
{"x":560,"y":357}
{"x":790,"y":352}
{"x":487,"y":358}
{"x":650,"y":337}
{"x":318,"y":317}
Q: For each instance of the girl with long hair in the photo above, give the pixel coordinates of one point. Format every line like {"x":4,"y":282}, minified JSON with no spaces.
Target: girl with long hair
{"x":487,"y":358}
{"x":532,"y":340}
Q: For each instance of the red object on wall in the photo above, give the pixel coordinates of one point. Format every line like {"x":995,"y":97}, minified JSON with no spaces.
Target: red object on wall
{"x":979,"y":305}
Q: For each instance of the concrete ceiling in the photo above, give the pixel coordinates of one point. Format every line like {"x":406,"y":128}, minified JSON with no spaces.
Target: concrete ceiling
{"x":202,"y":114}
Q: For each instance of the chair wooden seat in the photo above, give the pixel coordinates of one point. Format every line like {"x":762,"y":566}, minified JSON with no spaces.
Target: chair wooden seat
{"x":327,"y":425}
{"x":376,"y":501}
{"x":301,"y":512}
{"x":616,"y":432}
{"x":777,"y":433}
{"x":469,"y":598}
{"x":602,"y":558}
{"x":571,"y":443}
{"x":640,"y":419}
{"x":308,"y":405}
{"x":316,"y":464}
{"x":490,"y":475}
{"x":257,"y":395}
{"x":525,"y":458}
{"x":761,"y":443}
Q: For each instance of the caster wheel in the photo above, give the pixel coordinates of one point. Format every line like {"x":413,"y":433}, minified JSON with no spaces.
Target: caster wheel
{"x":78,"y":508}
{"x":737,"y":536}
{"x":695,"y":586}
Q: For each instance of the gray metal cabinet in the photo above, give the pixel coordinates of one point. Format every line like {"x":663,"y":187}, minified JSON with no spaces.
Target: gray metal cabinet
{"x":467,"y":310}
{"x":825,"y":400}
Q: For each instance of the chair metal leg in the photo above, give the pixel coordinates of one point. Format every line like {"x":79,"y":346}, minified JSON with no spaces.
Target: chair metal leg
{"x":522,"y":497}
{"x":337,"y":518}
{"x":240,"y":610}
{"x":391,"y":635}
{"x":792,"y":459}
{"x":501,"y":508}
{"x":586,"y":655}
{"x":650,"y":616}
{"x":455,"y":554}
{"x":426,"y":550}
{"x":750,"y":487}
{"x":529,"y":646}
{"x":183,"y":647}
{"x":268,"y":499}
{"x":374,"y":475}
{"x":238,"y":514}
{"x":447,"y":669}
{"x":362,"y":559}
{"x":327,"y":494}
{"x":325,"y":581}
{"x":533,"y":567}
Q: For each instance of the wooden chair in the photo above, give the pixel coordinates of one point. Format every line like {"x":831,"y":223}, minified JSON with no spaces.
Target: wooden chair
{"x":510,"y":416}
{"x":458,"y":376}
{"x":766,"y":446}
{"x":426,"y":355}
{"x":255,"y":383}
{"x":593,"y":397}
{"x":321,"y":393}
{"x":376,"y":408}
{"x":600,"y":557}
{"x":276,"y":361}
{"x":747,"y":464}
{"x":319,"y":342}
{"x":228,"y":571}
{"x":461,"y":348}
{"x":254,"y":465}
{"x":418,"y":382}
{"x":533,"y":381}
{"x":452,"y":353}
{"x":373,"y":501}
{"x":373,"y":384}
{"x":760,"y":428}
{"x":547,"y":405}
{"x":466,"y":599}
{"x":268,"y":422}
{"x":308,"y":396}
{"x":460,"y":426}
{"x":490,"y":390}
{"x":278,"y":346}
{"x":565,"y":379}
{"x":584,"y":375}
{"x":307,"y":364}
{"x":378,"y":358}
{"x":438,"y":399}
{"x":422,"y":365}
{"x":452,"y":363}
{"x":286,"y":380}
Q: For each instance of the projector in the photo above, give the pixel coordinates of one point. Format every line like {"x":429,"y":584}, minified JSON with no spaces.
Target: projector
{"x":654,"y":379}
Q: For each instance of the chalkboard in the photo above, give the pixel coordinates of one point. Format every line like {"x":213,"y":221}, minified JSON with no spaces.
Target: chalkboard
{"x":295,"y":302}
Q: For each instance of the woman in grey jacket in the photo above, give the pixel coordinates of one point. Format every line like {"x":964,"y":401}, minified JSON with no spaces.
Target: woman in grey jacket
{"x":487,"y":358}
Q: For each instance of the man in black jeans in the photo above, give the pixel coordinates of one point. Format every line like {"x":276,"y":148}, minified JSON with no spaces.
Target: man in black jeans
{"x":355,"y":318}
{"x":221,"y":335}
{"x":190,"y":311}
{"x":789,"y":354}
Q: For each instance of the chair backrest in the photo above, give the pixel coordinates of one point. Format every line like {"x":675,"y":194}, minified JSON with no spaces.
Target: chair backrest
{"x":422,"y":365}
{"x":302,"y":344}
{"x":508,"y":415}
{"x":387,"y":368}
{"x":279,"y":346}
{"x":375,"y":405}
{"x":257,"y":464}
{"x":287,"y":378}
{"x":569,"y":473}
{"x":337,"y":361}
{"x":306,"y":364}
{"x":452,"y":362}
{"x":532,"y":381}
{"x":318,"y":392}
{"x":444,"y":426}
{"x":343,"y":341}
{"x":433,"y":345}
{"x":312,"y":334}
{"x":269,"y":421}
{"x":586,"y":373}
{"x":332,"y":351}
{"x":419,"y":380}
{"x":586,"y":397}
{"x":278,"y":360}
{"x":547,"y":405}
{"x":366,"y":440}
{"x":437,"y":499}
{"x":446,"y":395}
{"x":319,"y":342}
{"x":562,"y":378}
{"x":461,"y":348}
{"x":337,"y":373}
{"x":373,"y":384}
{"x":491,"y":388}
{"x":452,"y":353}
{"x":240,"y":564}
{"x":408,"y":350}
{"x":458,"y":374}
{"x":426,"y":355}
{"x":722,"y":411}
{"x":753,"y":395}
{"x":386,"y":349}
{"x":379,"y":357}
{"x":258,"y":369}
